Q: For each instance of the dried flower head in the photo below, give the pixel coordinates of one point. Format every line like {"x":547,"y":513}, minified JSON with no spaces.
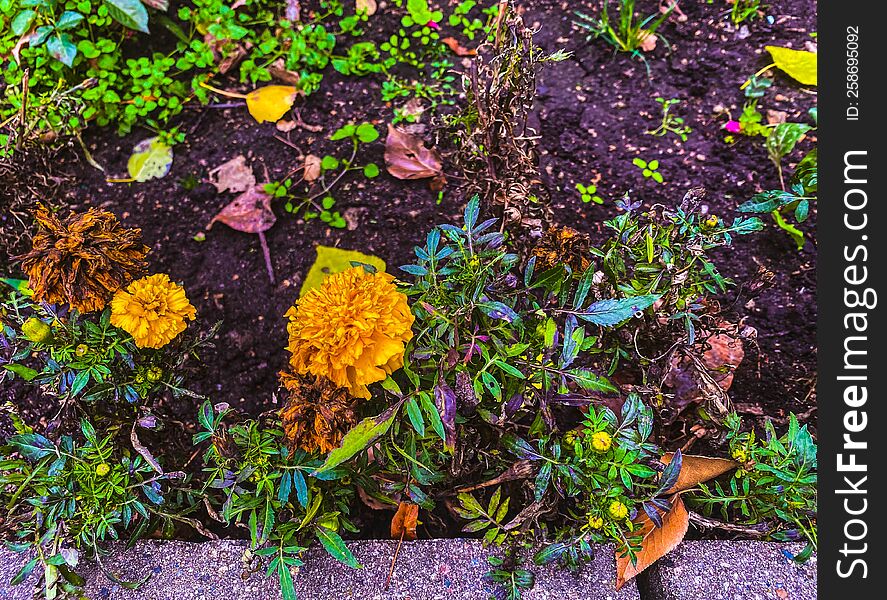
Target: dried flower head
{"x":152,"y":310}
{"x":563,"y":245}
{"x":317,"y":414}
{"x":351,"y":330}
{"x":83,"y":259}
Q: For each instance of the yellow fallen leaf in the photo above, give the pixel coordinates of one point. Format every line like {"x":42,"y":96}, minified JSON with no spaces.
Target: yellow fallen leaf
{"x":800,"y":65}
{"x":271,"y":102}
{"x":335,"y":260}
{"x":150,"y":159}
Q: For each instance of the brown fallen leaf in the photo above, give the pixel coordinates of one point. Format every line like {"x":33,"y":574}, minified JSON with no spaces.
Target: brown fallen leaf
{"x":249,"y":212}
{"x":457,"y":48}
{"x":657,"y":542}
{"x":278,"y":71}
{"x":403,"y":524}
{"x":406,"y":157}
{"x":705,"y":370}
{"x":312,"y":167}
{"x":697,"y":469}
{"x":285,"y":126}
{"x":233,"y":176}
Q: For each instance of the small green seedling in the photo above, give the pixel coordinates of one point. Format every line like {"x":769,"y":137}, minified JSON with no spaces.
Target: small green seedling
{"x":670,"y":123}
{"x":650,"y":169}
{"x":589,"y":193}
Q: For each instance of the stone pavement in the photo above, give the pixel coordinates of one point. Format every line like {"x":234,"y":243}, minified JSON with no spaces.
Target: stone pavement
{"x":436,"y":570}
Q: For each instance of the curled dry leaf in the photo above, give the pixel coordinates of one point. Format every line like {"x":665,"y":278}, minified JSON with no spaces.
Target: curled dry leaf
{"x":367,"y":6}
{"x":706,"y":370}
{"x":457,"y":48}
{"x":278,"y":71}
{"x":285,"y":126}
{"x":657,"y":542}
{"x":697,"y":469}
{"x":249,"y":212}
{"x":404,"y":522}
{"x":271,"y":102}
{"x":406,"y":157}
{"x":312,"y":167}
{"x":648,"y":41}
{"x":233,"y":176}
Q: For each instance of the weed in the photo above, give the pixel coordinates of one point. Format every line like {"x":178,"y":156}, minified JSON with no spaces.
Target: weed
{"x":649,"y":169}
{"x":670,"y":123}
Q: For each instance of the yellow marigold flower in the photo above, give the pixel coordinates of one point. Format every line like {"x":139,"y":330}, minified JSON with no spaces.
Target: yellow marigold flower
{"x":152,"y":310}
{"x":595,"y":522}
{"x":618,"y":510}
{"x":601,"y":441}
{"x":739,"y":454}
{"x":351,"y":330}
{"x":103,"y":469}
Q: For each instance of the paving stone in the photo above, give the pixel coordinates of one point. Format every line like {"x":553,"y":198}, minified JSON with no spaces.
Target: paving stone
{"x":425,"y":570}
{"x":718,"y":570}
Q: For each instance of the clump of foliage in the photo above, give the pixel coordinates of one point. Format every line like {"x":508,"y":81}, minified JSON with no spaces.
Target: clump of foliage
{"x":83,"y":64}
{"x":628,"y":33}
{"x":253,"y":479}
{"x":742,"y":10}
{"x":774,"y":489}
{"x":311,"y":196}
{"x":795,"y":198}
{"x":65,"y":497}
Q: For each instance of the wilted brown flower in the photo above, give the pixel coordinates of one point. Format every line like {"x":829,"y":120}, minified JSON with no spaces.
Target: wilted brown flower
{"x":317,"y":413}
{"x":82,"y":260}
{"x":563,"y":245}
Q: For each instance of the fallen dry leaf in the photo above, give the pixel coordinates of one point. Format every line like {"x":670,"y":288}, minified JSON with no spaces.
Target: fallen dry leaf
{"x":457,"y":48}
{"x":648,"y":41}
{"x":286,"y":126}
{"x":775,"y":117}
{"x":278,"y":71}
{"x":233,"y":176}
{"x":404,"y":522}
{"x":249,"y":212}
{"x":706,"y":370}
{"x":697,"y":469}
{"x":657,"y":542}
{"x":312,"y":167}
{"x":232,"y":58}
{"x":367,"y":6}
{"x":406,"y":157}
{"x":271,"y":102}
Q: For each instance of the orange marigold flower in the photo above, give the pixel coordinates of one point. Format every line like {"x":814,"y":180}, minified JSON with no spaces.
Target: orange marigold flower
{"x":152,"y":310}
{"x":317,"y":414}
{"x":351,"y":330}
{"x":82,"y":260}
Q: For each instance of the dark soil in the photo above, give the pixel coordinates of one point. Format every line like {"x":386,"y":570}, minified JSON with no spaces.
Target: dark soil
{"x":592,"y":113}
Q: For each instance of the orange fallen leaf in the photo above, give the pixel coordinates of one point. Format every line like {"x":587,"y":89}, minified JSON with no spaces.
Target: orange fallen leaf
{"x":697,"y":469}
{"x":404,"y":522}
{"x":657,"y":542}
{"x":406,"y":157}
{"x":719,"y":357}
{"x":457,"y":48}
{"x":249,"y":212}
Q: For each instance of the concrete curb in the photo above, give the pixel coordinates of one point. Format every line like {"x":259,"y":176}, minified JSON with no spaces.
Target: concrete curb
{"x":435,"y":570}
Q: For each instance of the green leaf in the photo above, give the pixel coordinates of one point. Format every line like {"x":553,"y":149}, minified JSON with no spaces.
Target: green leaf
{"x":367,"y":133}
{"x":639,"y":163}
{"x":328,"y":162}
{"x":415,"y":415}
{"x":796,"y":234}
{"x":287,"y":589}
{"x":22,"y":371}
{"x":151,"y":159}
{"x":32,"y":446}
{"x":336,"y":547}
{"x":68,"y":20}
{"x":766,"y":202}
{"x":335,"y":260}
{"x":22,"y":21}
{"x":359,"y":438}
{"x":371,"y":170}
{"x":591,"y":382}
{"x":25,"y":571}
{"x":800,"y":65}
{"x":61,"y":48}
{"x":783,"y":138}
{"x":608,"y":313}
{"x":129,"y":13}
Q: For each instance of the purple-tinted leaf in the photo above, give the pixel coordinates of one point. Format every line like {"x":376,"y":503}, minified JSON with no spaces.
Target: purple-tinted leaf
{"x":445,"y":398}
